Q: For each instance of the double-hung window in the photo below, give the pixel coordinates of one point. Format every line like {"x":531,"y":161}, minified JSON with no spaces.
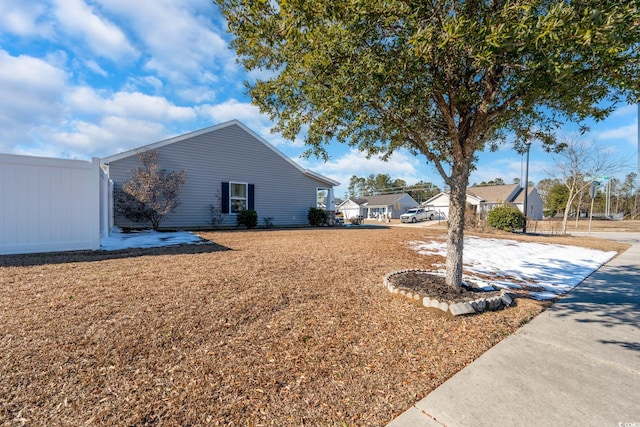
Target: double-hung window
{"x":238,"y":196}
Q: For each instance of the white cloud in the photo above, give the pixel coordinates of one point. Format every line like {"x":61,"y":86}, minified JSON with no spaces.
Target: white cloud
{"x":108,"y":136}
{"x":144,"y":83}
{"x":96,"y":68}
{"x":246,"y":112}
{"x":139,"y":105}
{"x":401,"y":165}
{"x":630,"y":110}
{"x":41,"y":114}
{"x":31,"y":92}
{"x":57,"y":58}
{"x":505,"y":168}
{"x":627,"y":133}
{"x":181,"y":38}
{"x":82,"y":22}
{"x":197,"y":94}
{"x":26,"y":73}
{"x":103,"y":123}
{"x":131,"y":105}
{"x":24,"y":18}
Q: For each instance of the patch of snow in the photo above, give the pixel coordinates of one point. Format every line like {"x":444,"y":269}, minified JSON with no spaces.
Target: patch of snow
{"x":118,"y":240}
{"x":542,"y":296}
{"x":555,"y":268}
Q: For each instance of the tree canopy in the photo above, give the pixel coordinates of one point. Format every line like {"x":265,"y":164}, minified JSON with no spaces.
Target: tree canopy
{"x":441,"y":78}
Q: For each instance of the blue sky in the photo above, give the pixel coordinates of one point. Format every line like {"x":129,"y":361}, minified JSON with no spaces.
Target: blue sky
{"x":91,"y":78}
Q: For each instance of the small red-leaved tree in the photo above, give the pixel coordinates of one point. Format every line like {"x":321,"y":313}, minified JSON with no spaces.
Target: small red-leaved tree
{"x":151,"y":193}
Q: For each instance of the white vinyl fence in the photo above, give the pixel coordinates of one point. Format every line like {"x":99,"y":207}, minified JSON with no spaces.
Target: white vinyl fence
{"x":49,"y":205}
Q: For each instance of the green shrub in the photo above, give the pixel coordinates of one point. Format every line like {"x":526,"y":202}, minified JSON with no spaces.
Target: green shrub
{"x":505,"y":218}
{"x":317,"y":217}
{"x":247,"y":218}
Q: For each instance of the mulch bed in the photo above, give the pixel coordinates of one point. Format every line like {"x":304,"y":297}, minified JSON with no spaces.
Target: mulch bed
{"x":434,"y":286}
{"x":278,"y":327}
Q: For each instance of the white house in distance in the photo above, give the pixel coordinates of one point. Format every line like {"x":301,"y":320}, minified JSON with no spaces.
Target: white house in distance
{"x":230,"y":167}
{"x":352,"y":207}
{"x":485,"y":198}
{"x":386,"y":205}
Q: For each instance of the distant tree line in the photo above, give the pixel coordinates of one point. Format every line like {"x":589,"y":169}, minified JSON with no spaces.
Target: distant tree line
{"x":499,"y":181}
{"x":373,"y":185}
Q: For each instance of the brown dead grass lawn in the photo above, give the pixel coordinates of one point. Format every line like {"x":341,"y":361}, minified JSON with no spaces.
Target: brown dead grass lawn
{"x":289,"y":327}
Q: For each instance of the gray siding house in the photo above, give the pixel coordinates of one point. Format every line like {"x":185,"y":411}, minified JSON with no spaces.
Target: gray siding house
{"x":228,"y":167}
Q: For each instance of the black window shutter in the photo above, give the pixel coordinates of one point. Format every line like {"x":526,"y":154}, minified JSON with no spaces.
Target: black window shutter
{"x":252,"y":197}
{"x":225,"y":198}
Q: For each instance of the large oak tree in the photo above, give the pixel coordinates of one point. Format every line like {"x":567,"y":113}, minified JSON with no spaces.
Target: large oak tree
{"x":442,"y":78}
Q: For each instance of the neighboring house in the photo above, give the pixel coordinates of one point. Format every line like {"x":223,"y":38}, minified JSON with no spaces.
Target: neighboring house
{"x":440,"y":203}
{"x":351,"y":208}
{"x":483,"y":199}
{"x":387,"y":205}
{"x":228,"y":167}
{"x":534,"y":200}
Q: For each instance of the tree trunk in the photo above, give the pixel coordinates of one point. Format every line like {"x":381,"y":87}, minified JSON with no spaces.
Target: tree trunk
{"x":567,"y":209}
{"x":565,"y":218}
{"x":579,"y":206}
{"x":455,"y":230}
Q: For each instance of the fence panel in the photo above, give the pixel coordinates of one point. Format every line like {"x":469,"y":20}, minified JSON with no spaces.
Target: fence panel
{"x":49,"y":205}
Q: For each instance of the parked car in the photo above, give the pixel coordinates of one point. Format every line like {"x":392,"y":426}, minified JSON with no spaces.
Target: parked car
{"x":417,"y":214}
{"x":413,"y":215}
{"x":431,"y":212}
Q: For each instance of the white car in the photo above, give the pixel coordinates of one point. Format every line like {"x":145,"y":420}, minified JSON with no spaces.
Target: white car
{"x":417,"y":214}
{"x":414,"y":215}
{"x":431,"y":212}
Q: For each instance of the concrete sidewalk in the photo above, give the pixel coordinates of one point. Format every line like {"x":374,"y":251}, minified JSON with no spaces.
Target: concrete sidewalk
{"x":576,"y":364}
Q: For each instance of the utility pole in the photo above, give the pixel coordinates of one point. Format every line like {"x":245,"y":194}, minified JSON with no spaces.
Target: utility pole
{"x":526,"y":191}
{"x":607,"y":201}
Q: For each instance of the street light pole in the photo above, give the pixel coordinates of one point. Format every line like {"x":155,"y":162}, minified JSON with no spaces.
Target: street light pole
{"x":526,"y":191}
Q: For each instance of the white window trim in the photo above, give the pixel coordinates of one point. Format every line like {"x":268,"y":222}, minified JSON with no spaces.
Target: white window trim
{"x":245,"y":198}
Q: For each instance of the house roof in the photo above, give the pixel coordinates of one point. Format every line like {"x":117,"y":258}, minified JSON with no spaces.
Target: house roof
{"x":385,"y":199}
{"x":494,"y":193}
{"x":520,"y":196}
{"x":359,"y":202}
{"x":173,"y":140}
